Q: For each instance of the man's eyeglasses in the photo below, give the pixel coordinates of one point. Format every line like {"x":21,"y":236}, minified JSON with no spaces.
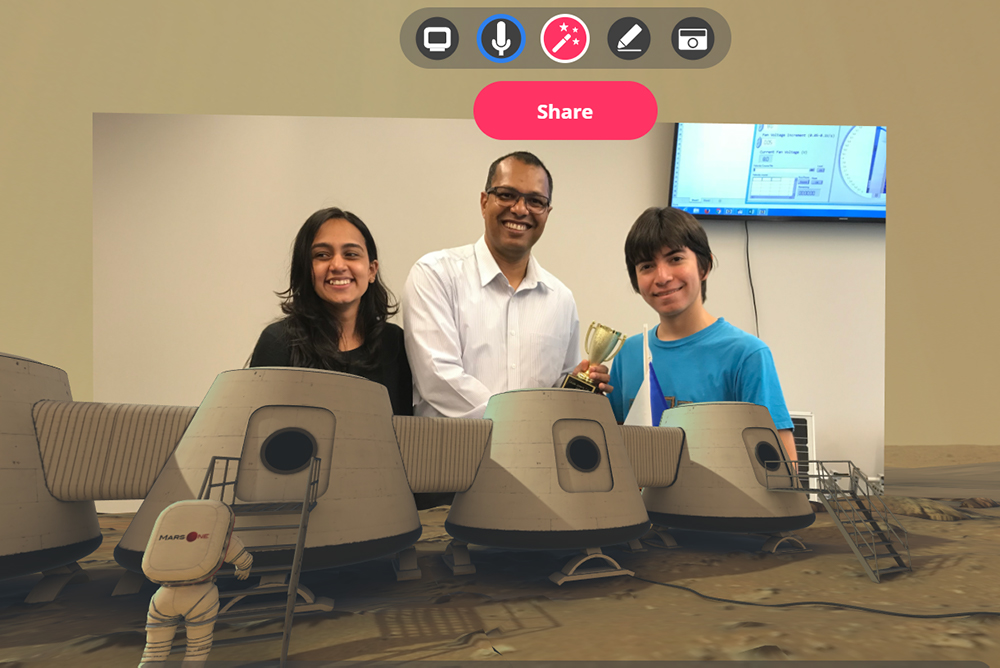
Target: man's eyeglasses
{"x":509,"y":196}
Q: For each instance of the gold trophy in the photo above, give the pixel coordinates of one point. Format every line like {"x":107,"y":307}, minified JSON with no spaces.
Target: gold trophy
{"x":601,"y":343}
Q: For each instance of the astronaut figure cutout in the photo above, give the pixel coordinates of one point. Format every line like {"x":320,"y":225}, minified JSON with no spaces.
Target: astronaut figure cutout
{"x":189,"y":543}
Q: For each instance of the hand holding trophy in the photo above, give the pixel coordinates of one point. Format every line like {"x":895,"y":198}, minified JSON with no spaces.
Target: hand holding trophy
{"x":601,"y":344}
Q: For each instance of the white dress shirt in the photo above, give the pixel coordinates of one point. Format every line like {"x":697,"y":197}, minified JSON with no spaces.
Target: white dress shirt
{"x":469,"y":335}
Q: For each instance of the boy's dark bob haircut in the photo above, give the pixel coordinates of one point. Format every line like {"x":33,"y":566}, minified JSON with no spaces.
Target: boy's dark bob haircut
{"x":675,"y":229}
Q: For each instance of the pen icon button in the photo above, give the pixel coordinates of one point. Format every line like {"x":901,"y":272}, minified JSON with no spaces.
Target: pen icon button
{"x":628,"y":38}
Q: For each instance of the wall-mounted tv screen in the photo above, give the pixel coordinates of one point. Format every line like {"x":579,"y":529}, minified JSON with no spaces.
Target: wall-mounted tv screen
{"x":827,"y":172}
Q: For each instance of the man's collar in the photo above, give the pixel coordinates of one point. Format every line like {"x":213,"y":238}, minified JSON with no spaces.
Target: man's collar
{"x":488,"y":267}
{"x":534,"y":275}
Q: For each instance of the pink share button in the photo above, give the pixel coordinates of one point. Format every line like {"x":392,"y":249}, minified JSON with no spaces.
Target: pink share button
{"x":565,"y":110}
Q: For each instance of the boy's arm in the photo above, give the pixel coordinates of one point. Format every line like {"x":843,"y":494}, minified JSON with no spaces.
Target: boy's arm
{"x":788,"y":441}
{"x":758,"y":381}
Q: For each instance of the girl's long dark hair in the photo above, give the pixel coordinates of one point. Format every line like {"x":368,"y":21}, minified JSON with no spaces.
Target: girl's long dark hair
{"x":313,"y":330}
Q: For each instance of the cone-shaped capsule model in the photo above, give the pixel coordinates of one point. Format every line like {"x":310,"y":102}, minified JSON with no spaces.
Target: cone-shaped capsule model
{"x":722,"y":483}
{"x":274,"y":420}
{"x":40,"y":532}
{"x":555,"y":476}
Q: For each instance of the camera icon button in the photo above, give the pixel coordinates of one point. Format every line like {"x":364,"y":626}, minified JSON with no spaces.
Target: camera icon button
{"x":692,"y":38}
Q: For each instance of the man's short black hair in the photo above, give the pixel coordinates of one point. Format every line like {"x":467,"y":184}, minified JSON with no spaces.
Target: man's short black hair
{"x":663,"y":227}
{"x":520,"y":156}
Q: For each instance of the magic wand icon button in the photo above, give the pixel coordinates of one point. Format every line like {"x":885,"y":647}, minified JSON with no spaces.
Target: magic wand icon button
{"x":565,"y":38}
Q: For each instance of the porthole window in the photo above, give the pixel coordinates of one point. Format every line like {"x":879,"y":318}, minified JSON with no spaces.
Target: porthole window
{"x":583,"y":454}
{"x":768,"y":456}
{"x":288,"y":451}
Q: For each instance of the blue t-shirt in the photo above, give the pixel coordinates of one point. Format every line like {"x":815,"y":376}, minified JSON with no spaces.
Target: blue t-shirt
{"x":719,"y":363}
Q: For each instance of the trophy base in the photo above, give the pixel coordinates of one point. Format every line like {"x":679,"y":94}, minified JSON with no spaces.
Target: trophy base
{"x":574,"y":382}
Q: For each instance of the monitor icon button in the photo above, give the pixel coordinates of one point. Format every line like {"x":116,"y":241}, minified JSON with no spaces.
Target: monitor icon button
{"x":437,"y":38}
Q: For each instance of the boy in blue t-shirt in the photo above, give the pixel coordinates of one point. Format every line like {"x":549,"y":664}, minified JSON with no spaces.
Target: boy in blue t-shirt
{"x":696,"y":357}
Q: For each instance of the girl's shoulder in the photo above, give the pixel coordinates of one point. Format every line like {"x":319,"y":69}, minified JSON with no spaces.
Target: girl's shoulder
{"x":392,"y":335}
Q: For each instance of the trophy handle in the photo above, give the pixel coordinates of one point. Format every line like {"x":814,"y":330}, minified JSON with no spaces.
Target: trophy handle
{"x":618,"y":347}
{"x":588,"y":337}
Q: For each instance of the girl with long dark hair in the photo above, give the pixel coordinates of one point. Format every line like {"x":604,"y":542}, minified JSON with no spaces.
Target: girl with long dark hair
{"x":336,"y":308}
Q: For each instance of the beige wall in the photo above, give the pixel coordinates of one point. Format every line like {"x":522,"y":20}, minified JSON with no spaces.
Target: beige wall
{"x":831,"y":61}
{"x":194,"y":217}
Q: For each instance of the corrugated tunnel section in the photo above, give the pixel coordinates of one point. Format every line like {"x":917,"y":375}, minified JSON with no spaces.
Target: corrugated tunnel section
{"x":105,"y":452}
{"x":441,"y":454}
{"x":655,"y":454}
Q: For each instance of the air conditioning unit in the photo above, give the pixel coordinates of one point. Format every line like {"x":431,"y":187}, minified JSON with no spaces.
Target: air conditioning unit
{"x":804,"y":432}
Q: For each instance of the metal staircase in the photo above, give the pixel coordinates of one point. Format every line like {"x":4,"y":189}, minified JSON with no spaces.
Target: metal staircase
{"x":873,"y":533}
{"x":279,"y":579}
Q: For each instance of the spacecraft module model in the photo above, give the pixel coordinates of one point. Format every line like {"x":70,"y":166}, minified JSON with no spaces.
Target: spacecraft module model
{"x":546,"y":469}
{"x":722,"y":483}
{"x":274,"y":421}
{"x":57,"y":457}
{"x":42,"y":531}
{"x":555,"y":475}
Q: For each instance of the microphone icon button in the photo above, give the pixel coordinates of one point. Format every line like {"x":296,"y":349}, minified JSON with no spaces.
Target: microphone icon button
{"x":501,"y":43}
{"x":501,"y":38}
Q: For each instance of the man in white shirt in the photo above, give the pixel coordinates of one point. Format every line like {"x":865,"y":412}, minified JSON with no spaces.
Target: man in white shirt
{"x":487,"y":318}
